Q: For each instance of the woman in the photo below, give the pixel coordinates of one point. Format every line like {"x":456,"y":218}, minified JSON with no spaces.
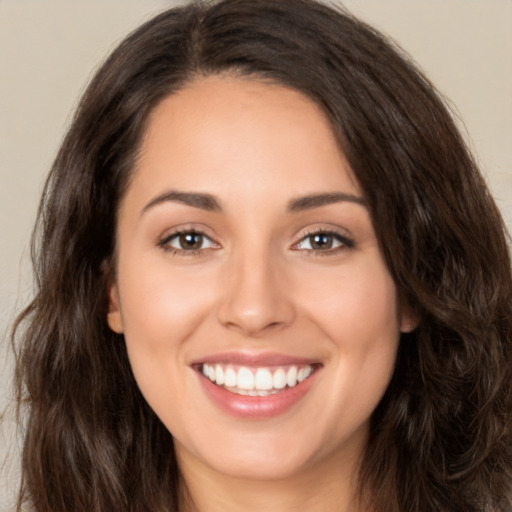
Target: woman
{"x":270,"y":276}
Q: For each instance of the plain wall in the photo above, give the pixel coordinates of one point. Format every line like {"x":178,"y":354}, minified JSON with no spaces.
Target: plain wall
{"x":49,"y":48}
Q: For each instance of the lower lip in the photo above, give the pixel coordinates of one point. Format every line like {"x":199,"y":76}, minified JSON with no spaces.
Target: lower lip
{"x":256,"y":407}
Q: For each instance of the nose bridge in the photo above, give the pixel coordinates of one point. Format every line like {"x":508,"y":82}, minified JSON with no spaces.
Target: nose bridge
{"x":255,"y":299}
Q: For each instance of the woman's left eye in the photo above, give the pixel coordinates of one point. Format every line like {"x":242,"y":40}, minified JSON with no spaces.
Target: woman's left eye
{"x":323,"y":241}
{"x":187,"y":241}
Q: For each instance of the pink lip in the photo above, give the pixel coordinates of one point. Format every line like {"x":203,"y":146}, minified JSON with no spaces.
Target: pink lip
{"x":255,"y":407}
{"x":251,"y":359}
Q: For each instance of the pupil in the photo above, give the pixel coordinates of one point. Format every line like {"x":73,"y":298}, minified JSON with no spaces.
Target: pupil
{"x":191,"y":240}
{"x":321,"y":241}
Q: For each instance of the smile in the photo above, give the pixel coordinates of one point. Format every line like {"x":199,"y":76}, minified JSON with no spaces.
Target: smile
{"x":261,"y":381}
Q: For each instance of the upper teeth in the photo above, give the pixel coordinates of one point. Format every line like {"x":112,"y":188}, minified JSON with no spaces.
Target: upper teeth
{"x":256,"y":381}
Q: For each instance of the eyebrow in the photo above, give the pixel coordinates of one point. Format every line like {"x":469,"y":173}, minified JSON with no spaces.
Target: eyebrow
{"x":317,"y":200}
{"x":195,"y":199}
{"x":209,"y":203}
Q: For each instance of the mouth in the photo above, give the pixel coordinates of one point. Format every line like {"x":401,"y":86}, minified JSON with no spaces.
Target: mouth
{"x":256,"y":381}
{"x":251,"y":386}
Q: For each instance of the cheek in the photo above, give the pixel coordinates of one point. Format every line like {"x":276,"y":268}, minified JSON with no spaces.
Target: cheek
{"x":160,"y":304}
{"x":356,"y":305}
{"x":161,"y":310}
{"x":357,"y":311}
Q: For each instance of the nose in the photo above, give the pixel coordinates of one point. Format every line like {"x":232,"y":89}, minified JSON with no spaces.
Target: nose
{"x":256,"y":297}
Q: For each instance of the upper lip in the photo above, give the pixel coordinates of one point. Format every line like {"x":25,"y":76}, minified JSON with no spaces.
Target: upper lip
{"x":254,"y":359}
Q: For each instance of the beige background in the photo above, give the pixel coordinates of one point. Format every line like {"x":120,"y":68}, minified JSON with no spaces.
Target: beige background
{"x":49,"y":48}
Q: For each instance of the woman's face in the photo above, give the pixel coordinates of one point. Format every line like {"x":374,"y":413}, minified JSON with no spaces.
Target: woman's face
{"x":260,"y":319}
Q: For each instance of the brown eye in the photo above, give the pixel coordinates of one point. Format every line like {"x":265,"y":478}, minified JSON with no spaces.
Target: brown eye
{"x":321,"y":241}
{"x":190,"y":241}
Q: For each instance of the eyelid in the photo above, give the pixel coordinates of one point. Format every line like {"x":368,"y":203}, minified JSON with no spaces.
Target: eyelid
{"x":164,"y":241}
{"x":346,"y":241}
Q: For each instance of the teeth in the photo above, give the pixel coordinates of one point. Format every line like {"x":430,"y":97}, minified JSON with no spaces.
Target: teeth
{"x":230,"y":378}
{"x":219,"y":375}
{"x":263,"y":379}
{"x":291,"y":376}
{"x":245,"y":379}
{"x":256,"y":381}
{"x":279,"y":379}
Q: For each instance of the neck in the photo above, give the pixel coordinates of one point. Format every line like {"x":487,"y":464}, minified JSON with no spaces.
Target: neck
{"x":327,"y":487}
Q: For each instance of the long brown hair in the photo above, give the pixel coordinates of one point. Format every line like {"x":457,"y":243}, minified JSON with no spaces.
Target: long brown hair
{"x":441,"y":439}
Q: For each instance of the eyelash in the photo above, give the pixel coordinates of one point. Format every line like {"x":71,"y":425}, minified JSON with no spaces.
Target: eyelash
{"x":344,"y":242}
{"x":164,"y":243}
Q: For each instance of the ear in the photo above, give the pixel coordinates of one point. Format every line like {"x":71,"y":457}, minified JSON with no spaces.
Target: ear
{"x":409,"y":321}
{"x":114,"y":318}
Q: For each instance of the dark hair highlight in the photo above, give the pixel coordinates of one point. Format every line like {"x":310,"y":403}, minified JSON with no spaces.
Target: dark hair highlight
{"x":441,"y":439}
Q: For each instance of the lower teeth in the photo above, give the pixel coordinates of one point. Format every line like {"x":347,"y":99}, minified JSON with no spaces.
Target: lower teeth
{"x":251,"y":392}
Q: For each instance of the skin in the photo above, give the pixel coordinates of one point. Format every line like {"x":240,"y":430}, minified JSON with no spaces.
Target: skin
{"x":255,"y":286}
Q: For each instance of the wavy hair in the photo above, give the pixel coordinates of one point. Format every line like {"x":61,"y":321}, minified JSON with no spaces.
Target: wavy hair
{"x":441,"y":438}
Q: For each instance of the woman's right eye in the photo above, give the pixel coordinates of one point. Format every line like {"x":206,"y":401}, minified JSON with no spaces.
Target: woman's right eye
{"x":190,"y":242}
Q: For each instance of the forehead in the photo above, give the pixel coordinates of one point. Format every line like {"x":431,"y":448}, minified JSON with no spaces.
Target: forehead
{"x":245,"y":132}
